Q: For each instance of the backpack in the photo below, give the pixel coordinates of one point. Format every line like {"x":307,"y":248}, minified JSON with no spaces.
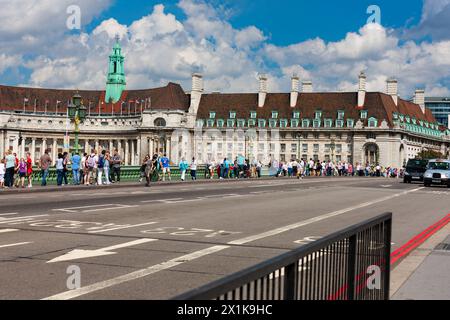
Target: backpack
{"x":101,"y":162}
{"x":91,"y":162}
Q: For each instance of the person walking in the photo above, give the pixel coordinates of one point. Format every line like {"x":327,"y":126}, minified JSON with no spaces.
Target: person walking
{"x":2,"y":173}
{"x":65,"y":169}
{"x":29,"y":162}
{"x":107,"y":168}
{"x":76,"y":160}
{"x":143,"y":166}
{"x":165,"y":165}
{"x":100,"y":167}
{"x":44,"y":164}
{"x":90,"y":164}
{"x":22,"y":172}
{"x":116,"y":161}
{"x":183,"y":168}
{"x":151,"y":166}
{"x":59,"y":169}
{"x":9,"y":169}
{"x":194,"y":169}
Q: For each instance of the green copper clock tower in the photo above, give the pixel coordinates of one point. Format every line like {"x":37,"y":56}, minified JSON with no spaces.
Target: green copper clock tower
{"x":115,"y":82}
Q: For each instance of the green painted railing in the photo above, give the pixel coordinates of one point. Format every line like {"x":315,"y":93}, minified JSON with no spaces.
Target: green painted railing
{"x":127,"y":174}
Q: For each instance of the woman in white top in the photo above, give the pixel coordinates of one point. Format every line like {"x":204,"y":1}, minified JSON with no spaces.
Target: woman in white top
{"x":194,"y":169}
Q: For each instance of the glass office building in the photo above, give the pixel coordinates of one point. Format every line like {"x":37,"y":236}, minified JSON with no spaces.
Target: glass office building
{"x":440,"y":107}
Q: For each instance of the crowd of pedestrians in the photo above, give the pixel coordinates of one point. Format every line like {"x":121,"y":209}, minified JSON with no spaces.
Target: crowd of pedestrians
{"x":104,"y":169}
{"x":301,"y":168}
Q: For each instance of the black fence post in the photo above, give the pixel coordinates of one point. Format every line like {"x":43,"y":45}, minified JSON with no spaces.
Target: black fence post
{"x":387,"y":257}
{"x":351,"y":262}
{"x":290,"y":281}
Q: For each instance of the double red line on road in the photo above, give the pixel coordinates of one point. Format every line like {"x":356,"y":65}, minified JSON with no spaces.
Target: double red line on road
{"x":399,"y":253}
{"x":419,"y":239}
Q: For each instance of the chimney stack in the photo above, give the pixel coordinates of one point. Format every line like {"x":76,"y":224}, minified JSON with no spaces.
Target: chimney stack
{"x":392,"y":89}
{"x":262,"y":90}
{"x":196,"y":93}
{"x":419,"y":98}
{"x":295,"y":83}
{"x":307,"y":86}
{"x":197,"y":82}
{"x":362,"y":89}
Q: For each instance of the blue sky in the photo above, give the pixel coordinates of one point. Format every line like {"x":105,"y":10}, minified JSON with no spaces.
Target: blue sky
{"x":286,"y":21}
{"x":230,"y":42}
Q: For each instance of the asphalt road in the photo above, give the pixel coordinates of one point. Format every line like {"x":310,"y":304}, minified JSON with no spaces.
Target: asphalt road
{"x":169,"y":239}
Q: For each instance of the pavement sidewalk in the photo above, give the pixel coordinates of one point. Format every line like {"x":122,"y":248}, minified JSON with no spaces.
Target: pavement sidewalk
{"x":50,"y":188}
{"x":424,"y":274}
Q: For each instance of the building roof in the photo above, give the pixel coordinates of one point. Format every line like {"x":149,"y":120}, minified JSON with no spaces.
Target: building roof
{"x":378,"y":105}
{"x":170,"y":97}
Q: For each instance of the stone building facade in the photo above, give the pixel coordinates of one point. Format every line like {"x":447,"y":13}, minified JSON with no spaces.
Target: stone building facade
{"x":360,"y":126}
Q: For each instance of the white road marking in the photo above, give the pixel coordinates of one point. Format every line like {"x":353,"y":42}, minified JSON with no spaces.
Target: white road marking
{"x":14,"y":244}
{"x":136,"y":274}
{"x":83,"y":254}
{"x":315,"y":219}
{"x":124,"y":227}
{"x":20,"y":219}
{"x":8,"y":230}
{"x":8,"y":214}
{"x":99,"y":207}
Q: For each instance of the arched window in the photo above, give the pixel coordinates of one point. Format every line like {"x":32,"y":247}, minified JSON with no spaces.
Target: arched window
{"x":160,"y":122}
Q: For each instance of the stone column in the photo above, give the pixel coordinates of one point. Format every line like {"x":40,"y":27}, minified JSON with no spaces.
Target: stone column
{"x":111,"y":146}
{"x":119,"y":147}
{"x":169,"y":147}
{"x":133,"y":154}
{"x":22,"y":147}
{"x":33,"y":150}
{"x":127,"y":152}
{"x":54,"y":151}
{"x":96,"y":145}
{"x":43,"y":145}
{"x":2,"y":143}
{"x":139,"y":148}
{"x":86,"y":147}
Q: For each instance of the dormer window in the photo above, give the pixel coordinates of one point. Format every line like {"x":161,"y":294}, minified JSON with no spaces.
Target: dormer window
{"x":220,"y":123}
{"x":296,"y":115}
{"x":241,"y":123}
{"x":373,"y":123}
{"x":350,"y":123}
{"x":317,"y":123}
{"x":274,"y":114}
{"x":230,"y":123}
{"x":305,"y":123}
{"x":253,"y":114}
{"x":341,"y":115}
{"x":210,"y":123}
{"x":212,"y":115}
{"x":283,"y":123}
{"x":272,"y":123}
{"x":261,"y":123}
{"x":328,"y":123}
{"x":294,"y":123}
{"x":318,"y":115}
{"x":232,"y":115}
{"x":363,"y":114}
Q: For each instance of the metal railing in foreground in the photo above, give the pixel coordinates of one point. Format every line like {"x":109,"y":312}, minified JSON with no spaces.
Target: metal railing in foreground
{"x":351,"y":264}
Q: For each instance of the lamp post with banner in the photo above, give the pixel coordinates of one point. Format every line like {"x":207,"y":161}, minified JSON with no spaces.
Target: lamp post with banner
{"x":77,"y":114}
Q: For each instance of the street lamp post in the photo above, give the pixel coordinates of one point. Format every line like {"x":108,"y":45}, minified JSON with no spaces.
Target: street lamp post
{"x":77,"y":113}
{"x":298,"y":146}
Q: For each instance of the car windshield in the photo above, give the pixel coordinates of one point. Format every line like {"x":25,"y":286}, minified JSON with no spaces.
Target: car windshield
{"x":417,"y":163}
{"x":439,"y":166}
